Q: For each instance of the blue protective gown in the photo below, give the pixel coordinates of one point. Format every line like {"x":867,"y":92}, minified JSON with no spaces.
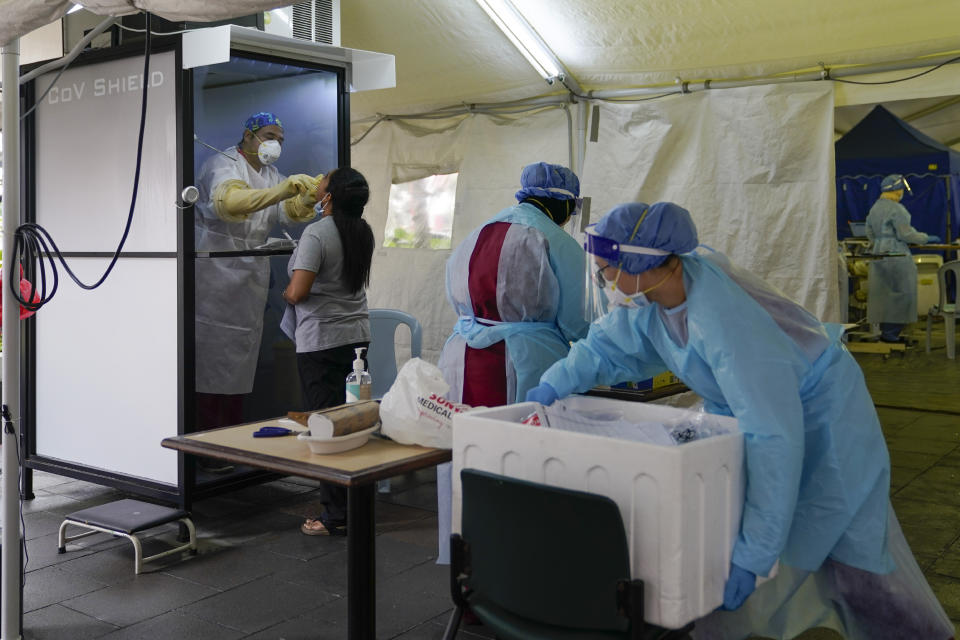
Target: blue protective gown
{"x":538,"y":325}
{"x":892,"y":282}
{"x":540,"y":299}
{"x":818,"y":472}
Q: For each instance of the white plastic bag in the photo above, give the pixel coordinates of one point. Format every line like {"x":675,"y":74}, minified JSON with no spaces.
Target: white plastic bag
{"x":414,"y":410}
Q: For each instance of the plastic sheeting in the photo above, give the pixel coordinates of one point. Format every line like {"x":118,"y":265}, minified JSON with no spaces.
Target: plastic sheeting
{"x":858,"y":604}
{"x":754,"y":166}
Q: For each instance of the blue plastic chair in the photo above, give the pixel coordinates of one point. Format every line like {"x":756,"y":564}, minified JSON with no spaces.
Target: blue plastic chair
{"x":381,"y":355}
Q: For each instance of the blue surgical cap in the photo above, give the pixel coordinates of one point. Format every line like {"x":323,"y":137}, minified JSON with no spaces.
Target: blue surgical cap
{"x":548,"y":181}
{"x":893,"y":182}
{"x":662,"y":225}
{"x":262,"y":119}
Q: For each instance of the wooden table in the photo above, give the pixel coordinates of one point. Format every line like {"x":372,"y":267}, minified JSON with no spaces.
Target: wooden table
{"x":357,"y":470}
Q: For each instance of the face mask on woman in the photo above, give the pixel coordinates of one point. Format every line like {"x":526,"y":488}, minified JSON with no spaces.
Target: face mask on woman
{"x":618,"y":298}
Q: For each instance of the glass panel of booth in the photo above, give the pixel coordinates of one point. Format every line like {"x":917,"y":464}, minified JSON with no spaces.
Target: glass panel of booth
{"x":245,"y":366}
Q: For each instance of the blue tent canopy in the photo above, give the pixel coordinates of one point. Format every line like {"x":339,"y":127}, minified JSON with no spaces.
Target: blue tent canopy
{"x":882,"y":144}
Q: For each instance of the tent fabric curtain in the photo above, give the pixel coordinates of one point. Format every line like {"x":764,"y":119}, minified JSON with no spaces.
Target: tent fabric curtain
{"x":754,"y":166}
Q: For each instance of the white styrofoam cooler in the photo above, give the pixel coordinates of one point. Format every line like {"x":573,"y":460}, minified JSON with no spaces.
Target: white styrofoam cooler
{"x":680,"y":505}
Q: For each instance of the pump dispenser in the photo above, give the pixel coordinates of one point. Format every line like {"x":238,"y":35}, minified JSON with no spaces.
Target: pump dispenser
{"x":359,"y":380}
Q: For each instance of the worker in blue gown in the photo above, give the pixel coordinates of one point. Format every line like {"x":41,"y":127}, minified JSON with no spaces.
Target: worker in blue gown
{"x":516,"y":285}
{"x":892,"y":281}
{"x":817,"y":467}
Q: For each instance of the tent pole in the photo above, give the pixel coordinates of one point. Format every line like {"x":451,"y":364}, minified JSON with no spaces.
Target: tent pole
{"x":946,"y":183}
{"x":581,"y":147}
{"x":11,"y":607}
{"x":826,"y":74}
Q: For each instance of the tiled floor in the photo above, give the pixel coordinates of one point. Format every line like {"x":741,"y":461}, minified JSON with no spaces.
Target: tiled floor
{"x":258,"y":577}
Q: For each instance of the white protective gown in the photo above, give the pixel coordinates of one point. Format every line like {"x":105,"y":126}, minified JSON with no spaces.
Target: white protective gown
{"x":231,"y":293}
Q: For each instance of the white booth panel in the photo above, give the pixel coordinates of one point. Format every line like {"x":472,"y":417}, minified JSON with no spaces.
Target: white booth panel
{"x":106,"y":384}
{"x":86,"y":150}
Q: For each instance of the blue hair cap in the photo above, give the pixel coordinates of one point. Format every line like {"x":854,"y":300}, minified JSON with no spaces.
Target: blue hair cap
{"x":662,"y":225}
{"x":893,"y":182}
{"x":262,"y":119}
{"x":546,"y":180}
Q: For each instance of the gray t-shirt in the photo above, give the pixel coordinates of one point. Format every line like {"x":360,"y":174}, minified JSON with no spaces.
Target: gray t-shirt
{"x":330,"y":316}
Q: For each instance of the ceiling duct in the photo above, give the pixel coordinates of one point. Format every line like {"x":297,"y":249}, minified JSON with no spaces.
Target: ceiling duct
{"x":317,"y":21}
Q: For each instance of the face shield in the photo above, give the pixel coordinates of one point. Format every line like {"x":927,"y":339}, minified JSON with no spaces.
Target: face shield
{"x":600,"y":278}
{"x":895,"y":183}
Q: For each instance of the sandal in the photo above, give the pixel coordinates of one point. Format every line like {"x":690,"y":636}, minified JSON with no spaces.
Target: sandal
{"x":316,"y":527}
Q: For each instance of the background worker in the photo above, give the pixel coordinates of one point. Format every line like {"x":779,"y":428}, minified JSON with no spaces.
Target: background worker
{"x":328,"y":274}
{"x":516,"y":284}
{"x":242,"y":196}
{"x":892,"y":281}
{"x":817,"y":468}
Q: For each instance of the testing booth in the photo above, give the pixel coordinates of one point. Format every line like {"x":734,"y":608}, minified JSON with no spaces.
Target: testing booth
{"x":110,"y":372}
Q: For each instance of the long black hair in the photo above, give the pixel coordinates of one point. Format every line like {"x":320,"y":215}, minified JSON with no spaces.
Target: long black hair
{"x":349,"y":193}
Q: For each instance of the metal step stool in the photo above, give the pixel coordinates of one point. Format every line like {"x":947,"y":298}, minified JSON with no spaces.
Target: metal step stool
{"x":126,"y":518}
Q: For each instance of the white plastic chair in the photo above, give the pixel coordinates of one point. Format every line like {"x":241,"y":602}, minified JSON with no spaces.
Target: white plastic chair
{"x":944,"y":308}
{"x":381,"y":355}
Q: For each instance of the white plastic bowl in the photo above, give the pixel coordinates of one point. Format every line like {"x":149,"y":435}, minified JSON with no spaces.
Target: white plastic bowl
{"x":339,"y":444}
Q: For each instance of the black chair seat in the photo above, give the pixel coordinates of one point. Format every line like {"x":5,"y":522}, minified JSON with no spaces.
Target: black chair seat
{"x":127,"y":516}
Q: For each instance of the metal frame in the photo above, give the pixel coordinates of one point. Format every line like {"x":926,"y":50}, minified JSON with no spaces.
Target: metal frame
{"x":187,"y":488}
{"x":138,"y":559}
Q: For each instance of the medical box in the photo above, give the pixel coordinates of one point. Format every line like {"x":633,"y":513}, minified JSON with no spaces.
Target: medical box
{"x":680,"y":504}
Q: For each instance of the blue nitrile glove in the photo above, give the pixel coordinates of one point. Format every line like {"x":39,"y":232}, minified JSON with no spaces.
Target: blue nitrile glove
{"x":542,"y":393}
{"x":740,"y":584}
{"x":932,"y":239}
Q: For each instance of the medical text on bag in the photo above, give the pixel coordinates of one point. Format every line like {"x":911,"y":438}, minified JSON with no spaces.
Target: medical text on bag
{"x":436,"y":408}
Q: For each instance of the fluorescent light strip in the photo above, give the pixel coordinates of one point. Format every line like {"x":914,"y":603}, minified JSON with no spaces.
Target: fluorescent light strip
{"x":512,"y":24}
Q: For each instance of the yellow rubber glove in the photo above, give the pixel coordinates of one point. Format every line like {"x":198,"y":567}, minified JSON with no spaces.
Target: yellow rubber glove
{"x":300,"y":208}
{"x":234,"y":200}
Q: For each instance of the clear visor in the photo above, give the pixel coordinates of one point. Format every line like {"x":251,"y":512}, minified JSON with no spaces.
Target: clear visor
{"x":901,"y":185}
{"x":599,"y":279}
{"x":577,"y":207}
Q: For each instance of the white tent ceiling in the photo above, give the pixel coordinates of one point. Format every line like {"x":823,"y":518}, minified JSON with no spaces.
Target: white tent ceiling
{"x":449,"y":51}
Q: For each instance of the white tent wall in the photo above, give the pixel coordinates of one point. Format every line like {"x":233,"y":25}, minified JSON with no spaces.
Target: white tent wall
{"x":489,"y":152}
{"x":754,"y":166}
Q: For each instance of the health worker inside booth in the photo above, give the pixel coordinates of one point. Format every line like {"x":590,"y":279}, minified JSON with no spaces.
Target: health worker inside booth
{"x":265,"y":134}
{"x":816,"y":463}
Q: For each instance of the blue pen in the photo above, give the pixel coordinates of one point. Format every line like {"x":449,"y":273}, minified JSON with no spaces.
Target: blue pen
{"x":271,"y":432}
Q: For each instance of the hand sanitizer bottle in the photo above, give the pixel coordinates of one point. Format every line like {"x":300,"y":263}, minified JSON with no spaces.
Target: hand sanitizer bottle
{"x":359,"y":380}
